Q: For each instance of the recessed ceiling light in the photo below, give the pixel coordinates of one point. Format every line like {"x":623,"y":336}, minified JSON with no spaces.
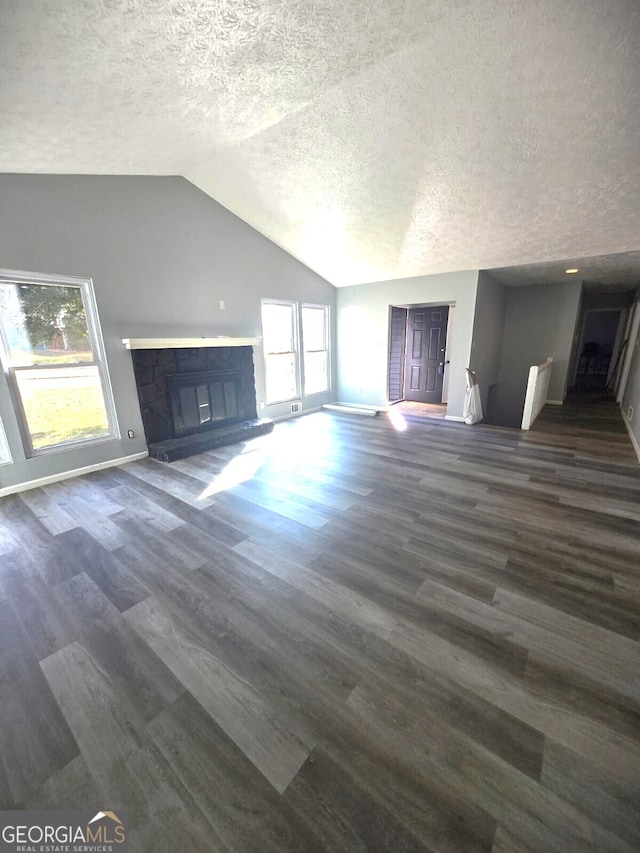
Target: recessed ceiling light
{"x":572,"y":271}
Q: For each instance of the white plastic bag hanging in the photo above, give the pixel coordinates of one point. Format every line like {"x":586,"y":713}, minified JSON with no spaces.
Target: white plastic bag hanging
{"x":472,"y":413}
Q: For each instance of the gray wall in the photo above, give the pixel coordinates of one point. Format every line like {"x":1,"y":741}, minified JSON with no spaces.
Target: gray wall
{"x":363,"y":333}
{"x":614,"y":299}
{"x":540,"y":321}
{"x":161,"y":254}
{"x":488,"y":331}
{"x":631,"y":396}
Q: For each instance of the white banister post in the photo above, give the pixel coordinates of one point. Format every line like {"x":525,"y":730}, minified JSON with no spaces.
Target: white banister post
{"x":530,"y":397}
{"x":537,"y":391}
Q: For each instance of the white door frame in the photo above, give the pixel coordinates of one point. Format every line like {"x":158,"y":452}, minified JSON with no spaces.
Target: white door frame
{"x":628,"y":355}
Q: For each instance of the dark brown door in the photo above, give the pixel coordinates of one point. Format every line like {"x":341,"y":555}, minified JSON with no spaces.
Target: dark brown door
{"x":425,"y":360}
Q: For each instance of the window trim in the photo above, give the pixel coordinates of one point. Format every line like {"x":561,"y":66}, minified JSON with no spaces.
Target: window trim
{"x":327,"y":345}
{"x":99,"y":361}
{"x":295,"y":352}
{"x":5,"y":451}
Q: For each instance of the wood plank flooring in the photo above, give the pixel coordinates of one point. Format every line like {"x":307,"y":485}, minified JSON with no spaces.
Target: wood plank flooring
{"x":424,"y":410}
{"x":339,"y":637}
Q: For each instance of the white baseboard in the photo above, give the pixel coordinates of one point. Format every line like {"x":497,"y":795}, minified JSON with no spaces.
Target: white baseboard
{"x":365,"y":406}
{"x":456,"y":418}
{"x":288,"y":417}
{"x":634,"y":440}
{"x":66,"y":475}
{"x":354,"y":409}
{"x":554,"y":403}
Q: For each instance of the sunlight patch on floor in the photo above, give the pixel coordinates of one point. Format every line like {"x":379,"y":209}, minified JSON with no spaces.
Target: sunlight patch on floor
{"x":242,"y":468}
{"x":398,"y":422}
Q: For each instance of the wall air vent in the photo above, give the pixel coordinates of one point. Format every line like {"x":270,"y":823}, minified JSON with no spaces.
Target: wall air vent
{"x":295,"y":408}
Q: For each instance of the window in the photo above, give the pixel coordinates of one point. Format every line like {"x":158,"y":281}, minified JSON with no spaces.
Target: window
{"x":283,"y":325}
{"x":280,"y":350}
{"x":315,"y":341}
{"x":54,"y":359}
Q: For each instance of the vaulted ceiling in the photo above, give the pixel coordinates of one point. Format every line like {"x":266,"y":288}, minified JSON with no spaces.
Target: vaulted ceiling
{"x":371,"y":139}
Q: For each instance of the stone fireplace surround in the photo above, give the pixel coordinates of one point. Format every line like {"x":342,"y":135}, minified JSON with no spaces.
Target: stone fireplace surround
{"x":152,"y":367}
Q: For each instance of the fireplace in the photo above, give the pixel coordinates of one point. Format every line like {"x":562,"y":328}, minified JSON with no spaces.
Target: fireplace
{"x":195,"y":398}
{"x":201,"y":401}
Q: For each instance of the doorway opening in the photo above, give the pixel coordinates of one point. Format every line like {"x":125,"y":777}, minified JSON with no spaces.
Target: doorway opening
{"x":600,"y":353}
{"x":419,"y":353}
{"x":600,"y":332}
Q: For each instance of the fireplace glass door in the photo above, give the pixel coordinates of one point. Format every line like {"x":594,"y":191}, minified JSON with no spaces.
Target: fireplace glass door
{"x":203,"y":401}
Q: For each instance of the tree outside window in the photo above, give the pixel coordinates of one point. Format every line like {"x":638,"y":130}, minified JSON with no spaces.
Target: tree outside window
{"x":54,"y":359}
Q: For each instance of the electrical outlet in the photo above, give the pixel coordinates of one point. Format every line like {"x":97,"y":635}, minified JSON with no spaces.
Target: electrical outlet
{"x":222,"y":305}
{"x":131,"y":433}
{"x":630,"y":413}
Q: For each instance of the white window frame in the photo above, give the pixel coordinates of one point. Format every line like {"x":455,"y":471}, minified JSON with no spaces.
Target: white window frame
{"x":5,"y":452}
{"x":99,"y":361}
{"x":327,"y":345}
{"x":295,"y":352}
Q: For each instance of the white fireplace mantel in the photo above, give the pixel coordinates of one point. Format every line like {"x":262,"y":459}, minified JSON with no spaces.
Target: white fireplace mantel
{"x":189,"y":343}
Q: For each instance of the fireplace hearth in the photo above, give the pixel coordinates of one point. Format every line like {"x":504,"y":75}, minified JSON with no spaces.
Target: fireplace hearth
{"x":195,"y":399}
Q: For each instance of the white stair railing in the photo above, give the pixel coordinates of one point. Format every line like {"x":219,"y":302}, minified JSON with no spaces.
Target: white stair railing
{"x":537,"y":390}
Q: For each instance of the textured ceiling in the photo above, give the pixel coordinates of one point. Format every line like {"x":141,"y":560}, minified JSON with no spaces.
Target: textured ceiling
{"x":616,"y":272}
{"x":372,"y":139}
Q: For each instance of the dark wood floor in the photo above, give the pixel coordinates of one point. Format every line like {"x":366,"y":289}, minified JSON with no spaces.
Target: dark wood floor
{"x":379,"y":641}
